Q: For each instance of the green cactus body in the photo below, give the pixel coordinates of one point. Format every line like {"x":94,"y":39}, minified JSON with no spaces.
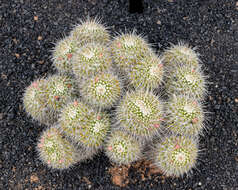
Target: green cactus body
{"x":90,"y":31}
{"x":147,"y":73}
{"x":60,"y":90}
{"x":55,"y":151}
{"x":140,"y":113}
{"x":83,"y":125}
{"x":34,"y":101}
{"x":62,"y":54}
{"x":175,"y":155}
{"x":179,"y":55}
{"x":184,"y":116}
{"x":101,"y":91}
{"x":90,"y":60}
{"x":128,"y":49}
{"x":186,"y":80}
{"x":122,"y":148}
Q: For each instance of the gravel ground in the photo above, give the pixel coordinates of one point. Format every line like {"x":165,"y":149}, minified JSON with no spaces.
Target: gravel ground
{"x":29,"y":29}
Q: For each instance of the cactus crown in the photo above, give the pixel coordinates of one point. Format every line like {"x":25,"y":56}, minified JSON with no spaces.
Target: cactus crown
{"x":181,"y":54}
{"x":122,"y":148}
{"x":176,"y":155}
{"x":55,"y":151}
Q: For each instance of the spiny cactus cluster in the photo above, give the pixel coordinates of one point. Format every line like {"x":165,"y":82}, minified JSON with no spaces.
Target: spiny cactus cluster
{"x":103,"y":98}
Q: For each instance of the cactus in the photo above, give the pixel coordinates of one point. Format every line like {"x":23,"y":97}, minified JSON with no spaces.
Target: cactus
{"x":90,"y":31}
{"x":55,"y":151}
{"x":187,"y":80}
{"x":59,"y":90}
{"x":179,"y":55}
{"x":91,"y":59}
{"x":140,"y":113}
{"x":175,"y":155}
{"x":101,"y":91}
{"x":122,"y":148}
{"x":147,"y":73}
{"x":85,"y":126}
{"x":184,"y":116}
{"x":128,"y":49}
{"x":62,"y":54}
{"x":34,"y":101}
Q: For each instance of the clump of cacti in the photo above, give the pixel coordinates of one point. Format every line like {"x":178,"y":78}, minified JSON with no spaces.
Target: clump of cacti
{"x":104,"y":98}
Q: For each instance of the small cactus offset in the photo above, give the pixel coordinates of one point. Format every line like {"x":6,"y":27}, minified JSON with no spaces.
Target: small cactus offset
{"x":179,"y":55}
{"x":62,"y":54}
{"x":89,"y":31}
{"x":175,"y":155}
{"x":187,"y":80}
{"x":34,"y":100}
{"x":59,"y":90}
{"x":88,"y":108}
{"x":122,"y":148}
{"x":55,"y":151}
{"x":84,"y":125}
{"x":101,"y":91}
{"x":147,"y":73}
{"x":184,"y":116}
{"x":128,"y":49}
{"x":91,"y":59}
{"x":140,"y":113}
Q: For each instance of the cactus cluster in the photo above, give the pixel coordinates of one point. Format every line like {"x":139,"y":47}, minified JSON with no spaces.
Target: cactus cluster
{"x":103,"y":98}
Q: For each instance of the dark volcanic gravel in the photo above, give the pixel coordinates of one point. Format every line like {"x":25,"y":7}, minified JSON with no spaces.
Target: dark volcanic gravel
{"x":28,"y":31}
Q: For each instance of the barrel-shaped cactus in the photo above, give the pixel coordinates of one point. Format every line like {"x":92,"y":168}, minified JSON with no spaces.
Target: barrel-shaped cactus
{"x":84,"y":125}
{"x":59,"y":90}
{"x":140,"y":113}
{"x":34,"y":101}
{"x":101,"y":91}
{"x":128,"y":49}
{"x":147,"y":73}
{"x":90,"y":60}
{"x":122,"y":148}
{"x":89,"y":31}
{"x":55,"y":151}
{"x":187,"y":80}
{"x":175,"y":155}
{"x":62,"y":54}
{"x":184,"y":116}
{"x":179,"y":55}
